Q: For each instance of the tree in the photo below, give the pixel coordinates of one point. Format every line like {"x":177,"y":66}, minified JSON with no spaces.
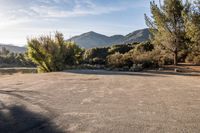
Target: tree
{"x":167,"y":26}
{"x":192,"y":23}
{"x":50,"y":53}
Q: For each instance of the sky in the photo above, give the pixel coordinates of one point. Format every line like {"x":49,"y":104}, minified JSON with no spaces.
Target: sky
{"x":22,"y":19}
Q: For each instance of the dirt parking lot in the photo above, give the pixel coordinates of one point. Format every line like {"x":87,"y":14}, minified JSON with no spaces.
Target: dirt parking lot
{"x":99,"y":102}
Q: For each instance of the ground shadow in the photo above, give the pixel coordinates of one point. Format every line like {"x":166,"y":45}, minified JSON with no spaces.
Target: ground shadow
{"x":19,"y":94}
{"x":146,"y":73}
{"x":14,"y":70}
{"x":17,"y":119}
{"x":104,"y":72}
{"x":173,"y":73}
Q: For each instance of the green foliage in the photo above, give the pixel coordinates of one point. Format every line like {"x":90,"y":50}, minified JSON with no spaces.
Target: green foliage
{"x":9,"y":59}
{"x":195,"y":59}
{"x":192,"y":23}
{"x":146,"y":57}
{"x":144,"y":47}
{"x":73,"y":54}
{"x":116,"y":60}
{"x":121,"y":48}
{"x":139,"y":54}
{"x":168,"y":25}
{"x":99,"y":55}
{"x":52,"y":53}
{"x":95,"y":56}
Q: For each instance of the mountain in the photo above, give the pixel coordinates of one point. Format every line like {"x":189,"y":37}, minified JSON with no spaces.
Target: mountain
{"x":137,"y":36}
{"x":11,"y":48}
{"x":92,"y":39}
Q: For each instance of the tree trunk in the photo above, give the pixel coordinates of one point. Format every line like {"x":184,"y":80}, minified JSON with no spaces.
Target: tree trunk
{"x":175,"y":57}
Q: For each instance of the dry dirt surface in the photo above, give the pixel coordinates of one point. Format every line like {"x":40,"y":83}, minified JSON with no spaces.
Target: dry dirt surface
{"x":99,"y":102}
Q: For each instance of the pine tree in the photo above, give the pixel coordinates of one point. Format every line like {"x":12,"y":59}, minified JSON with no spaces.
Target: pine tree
{"x":192,"y":23}
{"x":167,"y":25}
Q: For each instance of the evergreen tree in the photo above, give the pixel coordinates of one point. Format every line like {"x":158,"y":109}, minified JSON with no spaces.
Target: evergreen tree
{"x":192,"y":23}
{"x":167,"y":26}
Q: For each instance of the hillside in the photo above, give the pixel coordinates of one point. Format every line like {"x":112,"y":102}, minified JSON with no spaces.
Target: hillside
{"x":137,"y":36}
{"x":93,"y":39}
{"x":11,"y":48}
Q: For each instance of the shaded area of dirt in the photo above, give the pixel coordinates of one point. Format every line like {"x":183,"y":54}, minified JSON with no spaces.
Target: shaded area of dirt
{"x":17,"y":119}
{"x":145,"y":73}
{"x":14,"y":70}
{"x":185,"y":67}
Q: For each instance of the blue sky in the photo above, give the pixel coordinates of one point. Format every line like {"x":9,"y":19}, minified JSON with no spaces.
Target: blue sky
{"x":29,"y":18}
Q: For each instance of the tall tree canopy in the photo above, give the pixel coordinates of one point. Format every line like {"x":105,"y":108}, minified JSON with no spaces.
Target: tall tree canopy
{"x":192,"y":22}
{"x":167,"y":25}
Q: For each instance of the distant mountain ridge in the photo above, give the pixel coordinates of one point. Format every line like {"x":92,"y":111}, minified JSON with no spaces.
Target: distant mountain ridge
{"x":12,"y":48}
{"x":137,"y":36}
{"x":92,"y":39}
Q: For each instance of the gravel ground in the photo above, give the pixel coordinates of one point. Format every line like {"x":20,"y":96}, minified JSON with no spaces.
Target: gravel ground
{"x":99,"y":102}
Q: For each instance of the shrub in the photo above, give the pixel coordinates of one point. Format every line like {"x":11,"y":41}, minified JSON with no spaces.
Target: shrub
{"x":10,"y":59}
{"x":95,"y":56}
{"x":146,"y":59}
{"x":195,"y":59}
{"x":98,"y":60}
{"x":115,"y":60}
{"x":122,"y":49}
{"x":51,"y":53}
{"x":144,"y":47}
{"x":73,"y":54}
{"x":150,"y":59}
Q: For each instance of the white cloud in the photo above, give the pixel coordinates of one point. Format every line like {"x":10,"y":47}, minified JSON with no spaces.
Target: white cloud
{"x":20,"y":18}
{"x":49,"y":9}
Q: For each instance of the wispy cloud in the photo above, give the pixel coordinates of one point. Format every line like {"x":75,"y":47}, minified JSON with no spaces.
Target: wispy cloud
{"x":26,"y":10}
{"x":21,"y":18}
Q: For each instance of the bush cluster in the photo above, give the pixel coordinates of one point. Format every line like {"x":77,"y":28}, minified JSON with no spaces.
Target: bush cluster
{"x":53,"y":53}
{"x":148,"y":59}
{"x":10,"y":59}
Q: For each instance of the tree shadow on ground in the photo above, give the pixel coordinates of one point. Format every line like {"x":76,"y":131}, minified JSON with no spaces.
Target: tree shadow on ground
{"x":173,"y":73}
{"x":18,"y":119}
{"x":104,"y":72}
{"x":153,"y":73}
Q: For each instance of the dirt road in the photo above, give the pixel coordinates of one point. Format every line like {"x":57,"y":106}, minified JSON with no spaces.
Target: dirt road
{"x":99,"y":102}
